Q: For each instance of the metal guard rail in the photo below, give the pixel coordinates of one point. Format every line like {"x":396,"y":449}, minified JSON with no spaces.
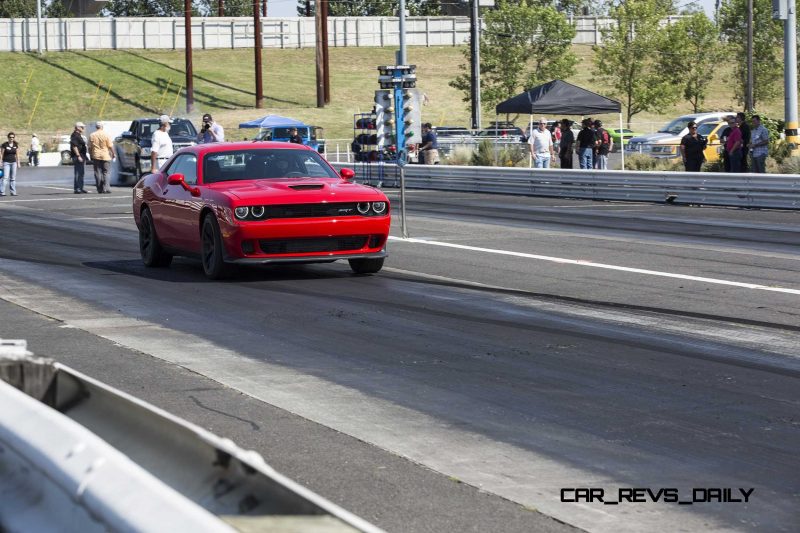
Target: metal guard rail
{"x":776,"y":191}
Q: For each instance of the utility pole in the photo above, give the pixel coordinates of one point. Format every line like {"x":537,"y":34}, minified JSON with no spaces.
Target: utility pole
{"x":790,"y":75}
{"x":748,"y":104}
{"x":475,"y":64}
{"x":221,"y":8}
{"x":257,"y":47}
{"x":402,"y":59}
{"x":39,"y":26}
{"x":187,"y":17}
{"x":326,"y":67}
{"x":264,"y":8}
{"x":319,"y":56}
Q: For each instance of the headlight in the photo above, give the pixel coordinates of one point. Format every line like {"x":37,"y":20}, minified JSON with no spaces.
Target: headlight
{"x":379,"y":207}
{"x":241,"y":212}
{"x":257,"y":211}
{"x":363,"y":208}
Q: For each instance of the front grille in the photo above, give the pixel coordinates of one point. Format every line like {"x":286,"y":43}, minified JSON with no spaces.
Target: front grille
{"x":316,"y":244}
{"x":311,"y":210}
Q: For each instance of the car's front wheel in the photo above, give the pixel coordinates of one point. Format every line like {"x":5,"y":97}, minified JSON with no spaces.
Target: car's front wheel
{"x":366,"y":265}
{"x":153,"y":255}
{"x":212,"y":255}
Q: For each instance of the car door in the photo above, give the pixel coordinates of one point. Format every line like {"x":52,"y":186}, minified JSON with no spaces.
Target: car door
{"x":182,"y":210}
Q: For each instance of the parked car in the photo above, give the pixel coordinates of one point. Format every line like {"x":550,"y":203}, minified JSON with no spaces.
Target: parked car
{"x":63,"y":147}
{"x":666,"y":142}
{"x":711,"y":131}
{"x":133,"y":146}
{"x":254,"y":203}
{"x":617,"y":134}
{"x":312,"y":135}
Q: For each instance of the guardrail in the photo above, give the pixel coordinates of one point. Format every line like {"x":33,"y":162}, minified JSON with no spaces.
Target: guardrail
{"x":779,"y":191}
{"x":78,"y":455}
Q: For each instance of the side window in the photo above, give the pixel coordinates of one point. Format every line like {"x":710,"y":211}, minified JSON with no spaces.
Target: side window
{"x":185,"y":164}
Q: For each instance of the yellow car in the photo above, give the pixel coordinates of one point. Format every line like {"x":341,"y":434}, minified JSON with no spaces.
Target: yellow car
{"x":712,"y":132}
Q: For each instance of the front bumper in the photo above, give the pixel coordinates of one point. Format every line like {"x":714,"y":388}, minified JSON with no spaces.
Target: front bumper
{"x":306,"y":259}
{"x":306,"y":240}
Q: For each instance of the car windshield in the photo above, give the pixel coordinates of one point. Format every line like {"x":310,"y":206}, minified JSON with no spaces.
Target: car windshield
{"x":178,"y":128}
{"x":676,"y":126}
{"x":706,"y":129}
{"x":261,"y":164}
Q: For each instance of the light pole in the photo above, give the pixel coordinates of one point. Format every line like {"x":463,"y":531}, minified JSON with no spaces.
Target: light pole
{"x":475,"y":63}
{"x":790,"y":75}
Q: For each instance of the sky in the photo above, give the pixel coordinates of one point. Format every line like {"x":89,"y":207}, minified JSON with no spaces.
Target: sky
{"x":288,"y":8}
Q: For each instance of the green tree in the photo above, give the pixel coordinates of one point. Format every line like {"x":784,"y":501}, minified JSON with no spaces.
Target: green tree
{"x":691,"y":53}
{"x":767,"y":48}
{"x":630,"y":57}
{"x":372,"y":8}
{"x":522,"y":46}
{"x":151,"y":8}
{"x":17,"y":9}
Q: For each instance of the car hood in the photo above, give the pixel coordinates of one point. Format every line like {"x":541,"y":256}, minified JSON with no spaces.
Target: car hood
{"x":298,"y":190}
{"x":652,"y":137}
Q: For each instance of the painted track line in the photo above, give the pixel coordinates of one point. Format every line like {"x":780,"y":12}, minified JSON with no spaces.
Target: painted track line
{"x":583,"y":263}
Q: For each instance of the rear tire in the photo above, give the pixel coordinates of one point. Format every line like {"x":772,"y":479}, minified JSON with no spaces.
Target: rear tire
{"x":367,"y":265}
{"x":153,"y":255}
{"x":212,"y":254}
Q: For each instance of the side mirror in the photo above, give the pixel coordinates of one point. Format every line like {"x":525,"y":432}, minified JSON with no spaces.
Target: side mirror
{"x":347,"y":174}
{"x":176,"y":179}
{"x":713,"y":137}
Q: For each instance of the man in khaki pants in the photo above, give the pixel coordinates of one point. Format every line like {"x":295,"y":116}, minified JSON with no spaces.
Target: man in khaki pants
{"x":101,"y":150}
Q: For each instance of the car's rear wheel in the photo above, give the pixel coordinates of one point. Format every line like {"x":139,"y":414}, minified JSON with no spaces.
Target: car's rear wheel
{"x":367,"y":265}
{"x":153,"y":255}
{"x":212,"y":255}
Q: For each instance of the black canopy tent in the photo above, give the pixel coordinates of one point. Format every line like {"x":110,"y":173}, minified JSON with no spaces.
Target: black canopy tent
{"x":561,"y":98}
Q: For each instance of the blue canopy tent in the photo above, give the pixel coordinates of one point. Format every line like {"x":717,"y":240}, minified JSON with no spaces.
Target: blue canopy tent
{"x":272,"y":121}
{"x":276,"y":128}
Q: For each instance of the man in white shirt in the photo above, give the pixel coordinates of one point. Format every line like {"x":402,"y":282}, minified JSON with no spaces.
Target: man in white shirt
{"x":161,"y":145}
{"x":541,"y":141}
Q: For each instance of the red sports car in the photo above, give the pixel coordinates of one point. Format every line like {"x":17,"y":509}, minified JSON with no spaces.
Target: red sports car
{"x":258,"y":203}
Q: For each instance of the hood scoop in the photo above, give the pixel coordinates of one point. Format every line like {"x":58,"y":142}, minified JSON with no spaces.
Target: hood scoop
{"x":307,"y":187}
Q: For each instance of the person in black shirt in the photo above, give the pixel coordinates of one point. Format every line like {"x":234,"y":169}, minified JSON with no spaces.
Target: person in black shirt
{"x":294,"y":137}
{"x":77,"y":148}
{"x":586,"y":142}
{"x":430,"y":145}
{"x":741,"y":119}
{"x":566,"y":144}
{"x":692,"y":146}
{"x":10,"y":156}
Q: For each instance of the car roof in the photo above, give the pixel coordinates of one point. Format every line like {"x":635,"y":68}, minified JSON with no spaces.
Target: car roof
{"x":208,"y":148}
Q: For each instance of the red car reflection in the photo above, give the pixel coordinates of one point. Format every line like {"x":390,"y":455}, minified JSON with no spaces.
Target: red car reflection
{"x":258,"y":203}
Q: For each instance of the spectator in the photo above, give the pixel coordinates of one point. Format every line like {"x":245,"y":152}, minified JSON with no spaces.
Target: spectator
{"x":759,"y":146}
{"x":741,"y":120}
{"x":101,"y":150}
{"x":294,"y":137}
{"x":36,"y":148}
{"x":10,"y":157}
{"x":541,"y":144}
{"x":692,"y":146}
{"x":430,"y":145}
{"x":77,"y":148}
{"x":734,"y":148}
{"x":210,"y":131}
{"x":604,"y":145}
{"x":161,"y":144}
{"x":567,"y":142}
{"x":723,"y":140}
{"x":586,"y":142}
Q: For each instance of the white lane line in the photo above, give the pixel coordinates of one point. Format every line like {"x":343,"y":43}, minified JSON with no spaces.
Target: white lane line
{"x":81,"y":197}
{"x":580,"y":262}
{"x":55,"y":188}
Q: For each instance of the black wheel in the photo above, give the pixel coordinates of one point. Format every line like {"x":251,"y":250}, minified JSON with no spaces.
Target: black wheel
{"x":366,"y":266}
{"x":153,"y":255}
{"x":212,"y":256}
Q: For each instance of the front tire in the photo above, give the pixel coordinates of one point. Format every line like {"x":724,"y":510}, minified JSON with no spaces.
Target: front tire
{"x":153,"y":255}
{"x":212,"y":254}
{"x":366,"y":265}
